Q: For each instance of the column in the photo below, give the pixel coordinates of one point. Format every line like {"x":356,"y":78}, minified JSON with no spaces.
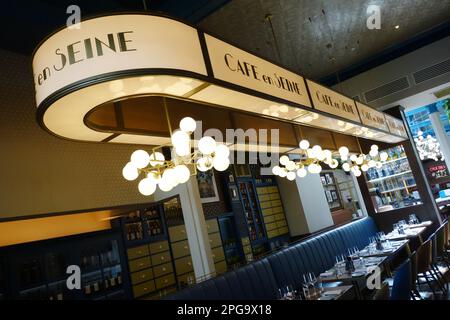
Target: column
{"x":441,"y":135}
{"x":305,"y":204}
{"x":195,"y":223}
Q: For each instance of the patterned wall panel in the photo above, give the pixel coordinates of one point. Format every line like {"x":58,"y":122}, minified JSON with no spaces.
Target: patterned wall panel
{"x":41,"y":173}
{"x":214,"y":209}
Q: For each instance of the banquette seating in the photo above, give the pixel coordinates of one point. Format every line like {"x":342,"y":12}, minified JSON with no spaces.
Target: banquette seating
{"x":261,"y":279}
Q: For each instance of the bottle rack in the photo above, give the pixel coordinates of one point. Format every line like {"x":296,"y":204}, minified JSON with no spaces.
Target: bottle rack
{"x":143,"y":224}
{"x":38,"y":270}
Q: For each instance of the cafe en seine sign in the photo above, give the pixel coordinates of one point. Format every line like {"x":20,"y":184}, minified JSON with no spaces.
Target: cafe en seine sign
{"x":84,"y":49}
{"x":123,"y":55}
{"x":250,"y":70}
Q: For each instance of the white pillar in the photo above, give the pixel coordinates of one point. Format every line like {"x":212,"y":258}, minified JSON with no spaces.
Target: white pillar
{"x":305,"y":204}
{"x":441,"y":136}
{"x":194,"y":219}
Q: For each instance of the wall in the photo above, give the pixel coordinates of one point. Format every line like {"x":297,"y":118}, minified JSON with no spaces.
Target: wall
{"x":44,"y":174}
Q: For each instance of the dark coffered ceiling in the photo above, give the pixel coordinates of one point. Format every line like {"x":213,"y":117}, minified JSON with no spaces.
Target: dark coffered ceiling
{"x":315,"y":38}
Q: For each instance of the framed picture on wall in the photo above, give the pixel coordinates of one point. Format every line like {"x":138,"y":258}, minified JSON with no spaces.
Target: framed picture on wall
{"x":334,"y":194}
{"x":207,"y":186}
{"x":329,"y":197}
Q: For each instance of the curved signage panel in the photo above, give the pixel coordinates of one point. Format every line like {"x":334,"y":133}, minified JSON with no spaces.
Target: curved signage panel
{"x":234,"y":65}
{"x":371,"y":117}
{"x":116,"y":57}
{"x":331,"y":102}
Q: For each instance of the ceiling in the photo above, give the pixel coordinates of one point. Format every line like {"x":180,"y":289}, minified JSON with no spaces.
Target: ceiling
{"x":315,"y":38}
{"x":24,"y":25}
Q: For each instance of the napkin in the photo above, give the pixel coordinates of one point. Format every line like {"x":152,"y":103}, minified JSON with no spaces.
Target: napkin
{"x":326,"y":274}
{"x":332,"y":292}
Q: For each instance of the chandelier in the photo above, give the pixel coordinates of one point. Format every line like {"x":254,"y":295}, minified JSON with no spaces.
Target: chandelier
{"x":428,"y":148}
{"x":156,"y":170}
{"x":312,"y":159}
{"x":362,"y":162}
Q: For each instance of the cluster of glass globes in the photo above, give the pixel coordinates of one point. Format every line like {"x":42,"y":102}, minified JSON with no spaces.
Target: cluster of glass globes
{"x":428,"y":148}
{"x":362,"y":162}
{"x":312,"y":157}
{"x":167,"y":174}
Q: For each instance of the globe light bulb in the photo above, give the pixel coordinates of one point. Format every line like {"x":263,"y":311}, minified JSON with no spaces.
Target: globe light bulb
{"x":374,"y":147}
{"x":221,"y":164}
{"x":343,"y":151}
{"x":157,"y":158}
{"x":360,"y":160}
{"x":140,"y":159}
{"x":182,"y":173}
{"x":311,"y":153}
{"x":327,"y":154}
{"x":378,"y":165}
{"x":170,"y":176}
{"x":321,"y":155}
{"x":290,"y":176}
{"x":180,"y":139}
{"x":147,"y":186}
{"x":302,"y":172}
{"x":373,"y":152}
{"x":304,"y":144}
{"x":383,"y":156}
{"x":284,"y":160}
{"x":364,"y":167}
{"x":282,"y":173}
{"x":207,"y":145}
{"x":165,"y":185}
{"x":318,"y":168}
{"x":357,"y":173}
{"x":317,"y":149}
{"x":290,"y":166}
{"x":130,"y":172}
{"x":276,"y":170}
{"x":344,"y":158}
{"x":204,"y":163}
{"x":222,"y":151}
{"x":371,"y":163}
{"x":346,"y":166}
{"x":353,"y":157}
{"x":333,"y":164}
{"x":188,"y":124}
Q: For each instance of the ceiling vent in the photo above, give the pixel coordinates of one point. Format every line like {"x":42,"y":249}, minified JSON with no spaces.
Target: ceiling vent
{"x":387,"y":89}
{"x":432,"y":71}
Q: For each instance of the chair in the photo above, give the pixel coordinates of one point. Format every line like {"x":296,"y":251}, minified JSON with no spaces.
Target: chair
{"x":424,"y":260}
{"x":401,"y":288}
{"x":414,"y":291}
{"x":382,"y":293}
{"x":438,"y":273}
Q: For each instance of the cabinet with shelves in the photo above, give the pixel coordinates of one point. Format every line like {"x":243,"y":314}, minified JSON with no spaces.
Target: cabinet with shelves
{"x":393,"y":185}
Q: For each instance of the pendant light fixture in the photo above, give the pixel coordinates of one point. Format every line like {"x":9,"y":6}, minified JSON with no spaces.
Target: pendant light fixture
{"x":168,"y":173}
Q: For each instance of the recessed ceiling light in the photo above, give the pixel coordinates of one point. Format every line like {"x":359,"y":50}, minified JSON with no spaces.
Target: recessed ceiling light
{"x":397,"y":26}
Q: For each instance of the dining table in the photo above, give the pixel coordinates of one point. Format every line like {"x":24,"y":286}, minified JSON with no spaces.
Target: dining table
{"x":408,"y":233}
{"x":358,"y":278}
